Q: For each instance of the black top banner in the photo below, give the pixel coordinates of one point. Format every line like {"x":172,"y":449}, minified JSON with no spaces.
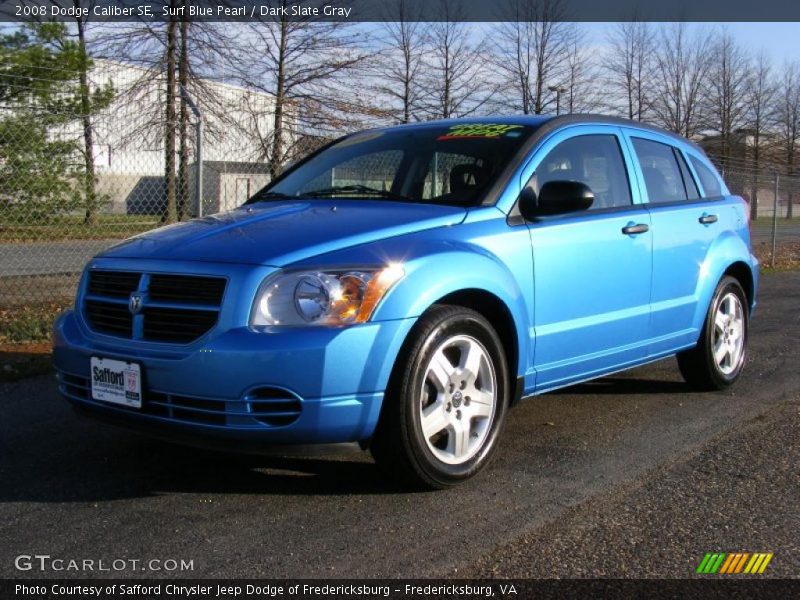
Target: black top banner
{"x":397,"y":10}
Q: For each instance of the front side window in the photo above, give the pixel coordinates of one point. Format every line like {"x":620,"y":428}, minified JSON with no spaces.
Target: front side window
{"x":595,"y":160}
{"x":438,"y":164}
{"x":661,"y":171}
{"x":709,"y":180}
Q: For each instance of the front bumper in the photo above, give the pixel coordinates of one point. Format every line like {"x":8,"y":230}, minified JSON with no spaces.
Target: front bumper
{"x":325,"y":385}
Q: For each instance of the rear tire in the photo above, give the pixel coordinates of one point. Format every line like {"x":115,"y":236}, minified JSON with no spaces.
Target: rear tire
{"x":718,"y":359}
{"x":446,"y":402}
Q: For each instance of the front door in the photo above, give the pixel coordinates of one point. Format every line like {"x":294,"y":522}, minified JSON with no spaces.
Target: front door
{"x":592,"y":270}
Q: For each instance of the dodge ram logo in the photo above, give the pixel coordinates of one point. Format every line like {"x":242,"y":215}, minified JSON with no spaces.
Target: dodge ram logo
{"x":135,"y":303}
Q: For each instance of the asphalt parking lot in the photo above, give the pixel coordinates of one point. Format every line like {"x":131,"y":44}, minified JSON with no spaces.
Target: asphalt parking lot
{"x":605,"y":478}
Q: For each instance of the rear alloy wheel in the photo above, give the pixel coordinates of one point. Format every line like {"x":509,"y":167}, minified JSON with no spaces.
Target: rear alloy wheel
{"x":719,"y":357}
{"x":446,"y":403}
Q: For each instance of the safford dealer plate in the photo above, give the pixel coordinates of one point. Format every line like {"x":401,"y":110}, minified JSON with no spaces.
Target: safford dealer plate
{"x":117,"y":382}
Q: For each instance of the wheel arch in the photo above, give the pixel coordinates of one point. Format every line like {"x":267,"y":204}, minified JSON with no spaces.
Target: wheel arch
{"x":741,"y":271}
{"x":469,"y":279}
{"x":727,"y":255}
{"x":494,"y":310}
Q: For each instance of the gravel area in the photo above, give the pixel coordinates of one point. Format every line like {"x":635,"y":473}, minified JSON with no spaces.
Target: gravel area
{"x":740,"y":492}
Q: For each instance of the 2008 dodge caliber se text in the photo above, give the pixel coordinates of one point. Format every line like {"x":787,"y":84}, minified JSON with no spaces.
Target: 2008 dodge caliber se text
{"x":403,"y":287}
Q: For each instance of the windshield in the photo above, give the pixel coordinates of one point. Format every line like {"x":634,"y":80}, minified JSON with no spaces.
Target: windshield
{"x":446,"y":164}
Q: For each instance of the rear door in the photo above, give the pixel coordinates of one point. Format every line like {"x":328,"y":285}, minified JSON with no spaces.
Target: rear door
{"x":591,"y":269}
{"x":683,"y":227}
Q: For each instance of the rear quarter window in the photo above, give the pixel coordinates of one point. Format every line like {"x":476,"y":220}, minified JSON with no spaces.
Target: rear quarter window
{"x":708,"y":179}
{"x":691,"y":187}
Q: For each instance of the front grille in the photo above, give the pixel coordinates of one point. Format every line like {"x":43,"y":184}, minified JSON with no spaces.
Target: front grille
{"x":111,"y":319}
{"x":267,"y":407}
{"x":117,"y":284}
{"x":178,"y":326}
{"x":186,"y":288}
{"x":176,"y":309}
{"x":191,"y":410}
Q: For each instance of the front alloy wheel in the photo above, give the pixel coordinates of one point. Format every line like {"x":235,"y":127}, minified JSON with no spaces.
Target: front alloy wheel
{"x":457,"y":400}
{"x":446,"y":402}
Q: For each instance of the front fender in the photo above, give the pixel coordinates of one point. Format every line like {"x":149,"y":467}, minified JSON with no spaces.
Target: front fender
{"x":482,"y":254}
{"x":453,"y":268}
{"x":724,"y":251}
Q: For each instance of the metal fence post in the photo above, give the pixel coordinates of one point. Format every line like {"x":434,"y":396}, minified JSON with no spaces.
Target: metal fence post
{"x":775,"y":219}
{"x":199,"y":167}
{"x":198,"y":158}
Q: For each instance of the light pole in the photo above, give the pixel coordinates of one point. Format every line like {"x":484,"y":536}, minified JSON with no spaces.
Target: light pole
{"x":558,"y":90}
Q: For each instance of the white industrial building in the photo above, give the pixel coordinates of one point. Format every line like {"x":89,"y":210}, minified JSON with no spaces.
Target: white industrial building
{"x":129,"y":140}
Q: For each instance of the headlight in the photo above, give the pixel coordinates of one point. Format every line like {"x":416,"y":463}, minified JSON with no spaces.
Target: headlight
{"x":338,"y":297}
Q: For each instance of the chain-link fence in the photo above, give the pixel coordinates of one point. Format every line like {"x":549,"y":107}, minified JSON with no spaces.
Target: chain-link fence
{"x":79,"y":172}
{"x":74,"y":182}
{"x":774,"y":198}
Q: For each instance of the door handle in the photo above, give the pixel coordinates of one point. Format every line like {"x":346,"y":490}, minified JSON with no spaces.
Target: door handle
{"x":707,"y":219}
{"x":635,"y":228}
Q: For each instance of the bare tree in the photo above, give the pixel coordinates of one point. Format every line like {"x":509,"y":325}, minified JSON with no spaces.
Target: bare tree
{"x":530,"y":52}
{"x":86,"y":122}
{"x":399,"y":66}
{"x":88,"y":102}
{"x":455,"y":75}
{"x":183,"y":118}
{"x":304,"y":66}
{"x":760,"y":96}
{"x":726,"y":98}
{"x":629,"y":66}
{"x":582,"y":93}
{"x":789,"y":121}
{"x":177,"y":55}
{"x":170,"y":210}
{"x":682,"y":64}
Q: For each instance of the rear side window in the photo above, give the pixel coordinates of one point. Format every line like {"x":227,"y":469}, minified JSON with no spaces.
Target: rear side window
{"x":709,"y":181}
{"x":595,"y":160}
{"x":661,"y":171}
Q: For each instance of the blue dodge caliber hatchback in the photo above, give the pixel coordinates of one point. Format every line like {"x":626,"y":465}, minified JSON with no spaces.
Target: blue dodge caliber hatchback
{"x":402,"y":287}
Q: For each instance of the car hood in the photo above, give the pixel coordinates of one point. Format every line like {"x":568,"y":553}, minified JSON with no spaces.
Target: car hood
{"x":281,"y":233}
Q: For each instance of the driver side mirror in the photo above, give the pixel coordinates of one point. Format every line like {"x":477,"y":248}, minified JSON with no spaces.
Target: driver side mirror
{"x":555,"y":198}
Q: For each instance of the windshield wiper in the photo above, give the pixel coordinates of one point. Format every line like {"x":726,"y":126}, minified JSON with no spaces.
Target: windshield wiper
{"x":264,"y":196}
{"x":361,"y":190}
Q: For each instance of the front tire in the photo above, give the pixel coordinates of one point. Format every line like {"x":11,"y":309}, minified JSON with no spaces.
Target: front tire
{"x":718,"y":359}
{"x":446,"y":402}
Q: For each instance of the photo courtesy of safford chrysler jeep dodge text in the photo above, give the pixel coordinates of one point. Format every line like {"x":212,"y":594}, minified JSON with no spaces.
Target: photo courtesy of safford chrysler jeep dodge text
{"x":403,"y":287}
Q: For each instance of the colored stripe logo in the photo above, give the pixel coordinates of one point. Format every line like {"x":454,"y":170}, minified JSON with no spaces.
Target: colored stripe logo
{"x":734,"y":563}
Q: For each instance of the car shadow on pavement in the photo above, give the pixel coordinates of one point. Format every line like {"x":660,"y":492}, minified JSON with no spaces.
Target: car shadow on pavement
{"x":626,"y":385}
{"x":113,"y":467}
{"x":50,"y":454}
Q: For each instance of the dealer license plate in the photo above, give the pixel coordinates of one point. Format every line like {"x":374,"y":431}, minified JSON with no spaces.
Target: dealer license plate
{"x":117,"y":382}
